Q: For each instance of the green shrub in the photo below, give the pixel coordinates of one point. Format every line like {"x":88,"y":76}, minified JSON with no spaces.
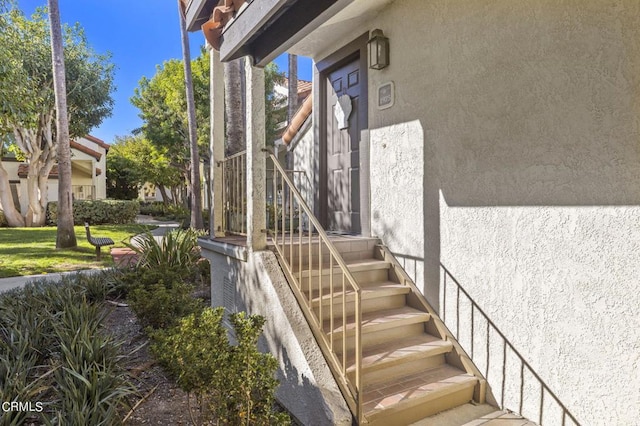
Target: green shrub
{"x":163,"y":303}
{"x":3,"y":219}
{"x":52,"y":349}
{"x":177,"y":250}
{"x":90,"y":383}
{"x":123,"y":281}
{"x":97,"y":212}
{"x":234,"y":384}
{"x":153,"y":208}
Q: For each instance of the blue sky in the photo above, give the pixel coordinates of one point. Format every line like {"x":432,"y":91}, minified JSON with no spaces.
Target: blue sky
{"x":140,"y":34}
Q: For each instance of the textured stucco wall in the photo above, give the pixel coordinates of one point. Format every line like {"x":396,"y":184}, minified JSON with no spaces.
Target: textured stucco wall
{"x":512,"y":156}
{"x":526,"y":119}
{"x":307,"y":388}
{"x":304,"y":159}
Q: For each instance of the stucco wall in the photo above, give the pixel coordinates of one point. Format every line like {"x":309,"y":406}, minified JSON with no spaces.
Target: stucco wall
{"x":512,"y":156}
{"x":257,"y":285}
{"x":304,"y":160}
{"x":526,"y":119}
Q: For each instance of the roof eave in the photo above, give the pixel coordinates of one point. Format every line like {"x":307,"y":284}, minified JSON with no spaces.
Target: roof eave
{"x":268,"y":28}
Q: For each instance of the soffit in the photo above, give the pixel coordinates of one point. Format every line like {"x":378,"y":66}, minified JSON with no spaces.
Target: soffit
{"x":334,"y":30}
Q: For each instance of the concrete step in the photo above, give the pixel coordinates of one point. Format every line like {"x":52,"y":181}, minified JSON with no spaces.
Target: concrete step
{"x":375,"y":296}
{"x":391,"y":319}
{"x":350,"y":247}
{"x":363,"y":270}
{"x":399,"y":351}
{"x":417,"y":395}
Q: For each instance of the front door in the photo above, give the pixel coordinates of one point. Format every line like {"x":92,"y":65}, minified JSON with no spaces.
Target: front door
{"x":343,"y":120}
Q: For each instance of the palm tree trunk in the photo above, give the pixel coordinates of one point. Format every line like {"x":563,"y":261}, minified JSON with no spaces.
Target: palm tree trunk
{"x":233,"y":107}
{"x":66,"y":237}
{"x":196,"y":192}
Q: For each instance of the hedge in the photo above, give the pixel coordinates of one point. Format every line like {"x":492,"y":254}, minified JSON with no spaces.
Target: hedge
{"x":97,"y":212}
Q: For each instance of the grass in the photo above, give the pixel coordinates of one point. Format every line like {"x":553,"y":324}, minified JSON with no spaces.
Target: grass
{"x":31,"y":251}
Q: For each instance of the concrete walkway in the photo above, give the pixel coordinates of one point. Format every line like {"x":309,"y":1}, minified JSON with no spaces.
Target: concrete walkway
{"x":14,"y":282}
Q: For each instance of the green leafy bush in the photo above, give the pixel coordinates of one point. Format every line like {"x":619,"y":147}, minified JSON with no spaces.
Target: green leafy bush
{"x":153,"y":208}
{"x":177,"y":250}
{"x":89,"y":380}
{"x":52,"y":349}
{"x":163,"y":303}
{"x":3,"y":219}
{"x":97,"y":212}
{"x":234,"y":384}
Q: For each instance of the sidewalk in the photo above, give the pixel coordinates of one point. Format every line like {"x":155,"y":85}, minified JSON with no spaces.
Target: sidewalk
{"x":14,"y":282}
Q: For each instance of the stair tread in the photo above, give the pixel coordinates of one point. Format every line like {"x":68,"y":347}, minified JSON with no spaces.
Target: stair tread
{"x":406,"y":348}
{"x":379,"y":319}
{"x":369,"y":290}
{"x":409,"y":389}
{"x":354,"y":265}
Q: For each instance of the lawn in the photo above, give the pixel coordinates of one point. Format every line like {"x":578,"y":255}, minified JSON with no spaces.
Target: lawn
{"x":30,"y":251}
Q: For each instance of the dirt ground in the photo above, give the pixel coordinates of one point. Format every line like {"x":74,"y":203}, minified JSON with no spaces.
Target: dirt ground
{"x":160,"y":400}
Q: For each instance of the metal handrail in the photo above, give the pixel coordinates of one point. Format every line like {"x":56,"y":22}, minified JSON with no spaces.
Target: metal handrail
{"x":336,"y":353}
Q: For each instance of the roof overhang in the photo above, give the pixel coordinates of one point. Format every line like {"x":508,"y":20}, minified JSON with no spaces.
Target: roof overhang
{"x":266,"y":28}
{"x":197,"y":12}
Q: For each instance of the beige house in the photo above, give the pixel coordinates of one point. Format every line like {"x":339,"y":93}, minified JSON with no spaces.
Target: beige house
{"x":88,"y":168}
{"x":466,"y":236}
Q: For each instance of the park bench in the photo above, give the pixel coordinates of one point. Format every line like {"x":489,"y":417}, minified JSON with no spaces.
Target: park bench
{"x":97,"y":242}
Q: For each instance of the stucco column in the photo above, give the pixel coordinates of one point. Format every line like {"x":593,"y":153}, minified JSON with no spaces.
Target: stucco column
{"x":216,"y":141}
{"x":94,"y":180}
{"x":256,"y":161}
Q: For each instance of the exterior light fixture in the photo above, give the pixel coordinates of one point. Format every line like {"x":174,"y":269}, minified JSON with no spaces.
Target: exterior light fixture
{"x":378,"y":50}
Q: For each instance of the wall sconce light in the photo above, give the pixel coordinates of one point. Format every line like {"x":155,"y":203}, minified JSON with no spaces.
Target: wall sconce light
{"x":378,"y":50}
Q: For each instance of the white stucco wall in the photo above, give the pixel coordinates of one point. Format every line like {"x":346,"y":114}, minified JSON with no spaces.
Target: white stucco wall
{"x":305,"y":161}
{"x":254,"y":282}
{"x":512,"y":156}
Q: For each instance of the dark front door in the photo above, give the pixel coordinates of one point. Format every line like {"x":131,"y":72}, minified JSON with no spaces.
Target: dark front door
{"x":342,"y":148}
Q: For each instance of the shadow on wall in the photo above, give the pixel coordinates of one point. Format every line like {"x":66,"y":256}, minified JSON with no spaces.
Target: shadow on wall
{"x":492,"y":352}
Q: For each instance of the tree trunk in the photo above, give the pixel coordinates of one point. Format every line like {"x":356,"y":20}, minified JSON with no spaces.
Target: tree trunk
{"x":66,"y":237}
{"x":196,"y":192}
{"x":163,"y":192}
{"x":292,"y":107}
{"x":233,"y":107}
{"x":13,"y":216}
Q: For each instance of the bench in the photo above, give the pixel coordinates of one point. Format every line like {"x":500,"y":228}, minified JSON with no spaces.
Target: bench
{"x":97,"y":242}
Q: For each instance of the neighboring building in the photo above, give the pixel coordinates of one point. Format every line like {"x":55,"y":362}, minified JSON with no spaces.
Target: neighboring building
{"x":497,"y":158}
{"x":88,"y":179}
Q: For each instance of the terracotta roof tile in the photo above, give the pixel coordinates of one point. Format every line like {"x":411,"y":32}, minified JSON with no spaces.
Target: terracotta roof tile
{"x":23,"y":171}
{"x":86,"y":150}
{"x":298,"y":120}
{"x":100,"y":142}
{"x":222,"y":14}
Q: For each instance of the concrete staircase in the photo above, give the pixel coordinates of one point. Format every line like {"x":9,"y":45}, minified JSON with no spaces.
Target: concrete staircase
{"x":412,"y":368}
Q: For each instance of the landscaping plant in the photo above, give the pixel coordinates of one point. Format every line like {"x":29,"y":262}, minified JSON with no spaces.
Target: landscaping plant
{"x":54,"y":355}
{"x":232,"y":383}
{"x":177,"y":250}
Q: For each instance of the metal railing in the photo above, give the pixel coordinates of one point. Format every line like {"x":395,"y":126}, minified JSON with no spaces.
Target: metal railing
{"x":83,"y":192}
{"x":234,"y":193}
{"x":323,"y":285}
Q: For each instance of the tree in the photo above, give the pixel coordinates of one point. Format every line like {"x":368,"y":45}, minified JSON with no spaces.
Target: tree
{"x":234,"y":106}
{"x":275,"y":107}
{"x":133,"y":161}
{"x":65,"y":236}
{"x":28,"y":104}
{"x":196,"y":192}
{"x":163,"y":109}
